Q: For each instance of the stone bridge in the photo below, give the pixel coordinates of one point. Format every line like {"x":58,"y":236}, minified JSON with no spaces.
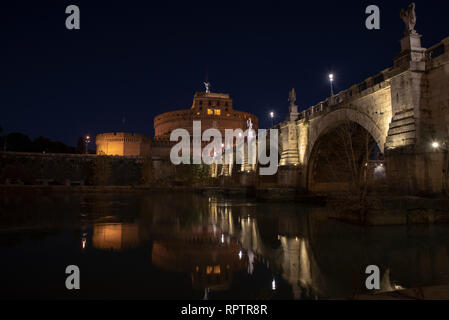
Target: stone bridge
{"x":405,"y":110}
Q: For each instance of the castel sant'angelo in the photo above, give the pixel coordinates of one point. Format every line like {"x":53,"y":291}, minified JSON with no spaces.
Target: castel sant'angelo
{"x":214,"y":110}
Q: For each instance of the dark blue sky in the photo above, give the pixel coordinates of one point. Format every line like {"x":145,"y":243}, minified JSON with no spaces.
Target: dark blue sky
{"x":141,"y":58}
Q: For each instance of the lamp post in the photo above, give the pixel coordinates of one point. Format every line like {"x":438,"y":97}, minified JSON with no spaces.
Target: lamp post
{"x":331,"y":79}
{"x":272,"y":116}
{"x":86,"y":143}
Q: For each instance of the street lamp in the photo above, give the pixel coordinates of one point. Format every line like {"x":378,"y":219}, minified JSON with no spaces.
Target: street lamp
{"x":86,"y":142}
{"x":435,"y":145}
{"x":331,"y":79}
{"x":272,"y":116}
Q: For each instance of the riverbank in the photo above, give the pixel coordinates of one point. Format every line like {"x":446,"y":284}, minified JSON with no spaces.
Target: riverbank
{"x":423,"y":293}
{"x":385,"y":210}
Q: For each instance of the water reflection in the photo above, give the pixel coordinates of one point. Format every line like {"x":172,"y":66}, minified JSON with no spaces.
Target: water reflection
{"x":181,"y":245}
{"x":204,"y":254}
{"x":115,"y":236}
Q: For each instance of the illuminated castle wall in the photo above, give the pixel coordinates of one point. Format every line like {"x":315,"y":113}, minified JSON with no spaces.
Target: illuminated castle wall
{"x":123,"y":144}
{"x":214,"y":110}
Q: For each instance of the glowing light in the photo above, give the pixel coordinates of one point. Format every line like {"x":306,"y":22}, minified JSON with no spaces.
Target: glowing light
{"x":272,"y":114}
{"x":435,"y":145}
{"x":84,"y":241}
{"x":398,"y":287}
{"x":273,"y":285}
{"x":240,"y":255}
{"x":222,"y":238}
{"x":331,"y":78}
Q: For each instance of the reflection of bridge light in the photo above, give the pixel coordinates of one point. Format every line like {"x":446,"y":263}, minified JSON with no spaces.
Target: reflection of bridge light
{"x":222,"y":238}
{"x":398,"y":287}
{"x":273,"y":285}
{"x":84,"y":241}
{"x":240,"y":255}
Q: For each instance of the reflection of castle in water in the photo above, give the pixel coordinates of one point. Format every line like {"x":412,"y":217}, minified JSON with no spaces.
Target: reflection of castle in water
{"x":115,"y":236}
{"x":213,"y":240}
{"x":205,"y":253}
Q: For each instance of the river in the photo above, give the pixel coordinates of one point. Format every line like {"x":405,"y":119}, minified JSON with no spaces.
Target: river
{"x":188,"y":246}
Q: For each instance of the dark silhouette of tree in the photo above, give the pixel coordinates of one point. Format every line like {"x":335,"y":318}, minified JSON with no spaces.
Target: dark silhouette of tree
{"x":42,"y":144}
{"x":2,"y":140}
{"x":18,"y":142}
{"x":80,"y":146}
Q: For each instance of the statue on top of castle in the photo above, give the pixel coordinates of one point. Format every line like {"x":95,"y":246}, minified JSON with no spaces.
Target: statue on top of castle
{"x":409,"y":18}
{"x":207,"y":85}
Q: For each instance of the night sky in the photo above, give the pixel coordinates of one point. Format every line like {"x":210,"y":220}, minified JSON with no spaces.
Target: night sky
{"x":135,"y":59}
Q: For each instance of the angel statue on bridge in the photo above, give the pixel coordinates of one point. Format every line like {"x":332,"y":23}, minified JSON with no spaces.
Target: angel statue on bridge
{"x":409,"y":17}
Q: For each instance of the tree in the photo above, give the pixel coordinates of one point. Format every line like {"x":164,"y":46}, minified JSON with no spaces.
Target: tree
{"x":18,"y":142}
{"x":342,"y":157}
{"x":80,"y":146}
{"x":2,"y":140}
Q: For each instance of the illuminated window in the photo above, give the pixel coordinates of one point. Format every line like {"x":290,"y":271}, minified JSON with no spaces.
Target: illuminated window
{"x":217,"y":112}
{"x":209,"y":269}
{"x":209,"y":111}
{"x":217,"y":269}
{"x":198,"y":113}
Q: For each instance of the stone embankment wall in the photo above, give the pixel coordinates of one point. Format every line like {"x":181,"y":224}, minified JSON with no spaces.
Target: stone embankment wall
{"x":61,"y":169}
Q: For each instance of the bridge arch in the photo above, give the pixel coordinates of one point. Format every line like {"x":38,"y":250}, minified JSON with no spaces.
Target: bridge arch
{"x":331,"y":120}
{"x":326,"y":167}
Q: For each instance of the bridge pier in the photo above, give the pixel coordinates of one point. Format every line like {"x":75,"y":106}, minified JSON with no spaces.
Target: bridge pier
{"x":415,"y":172}
{"x":289,"y":176}
{"x":248,"y":179}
